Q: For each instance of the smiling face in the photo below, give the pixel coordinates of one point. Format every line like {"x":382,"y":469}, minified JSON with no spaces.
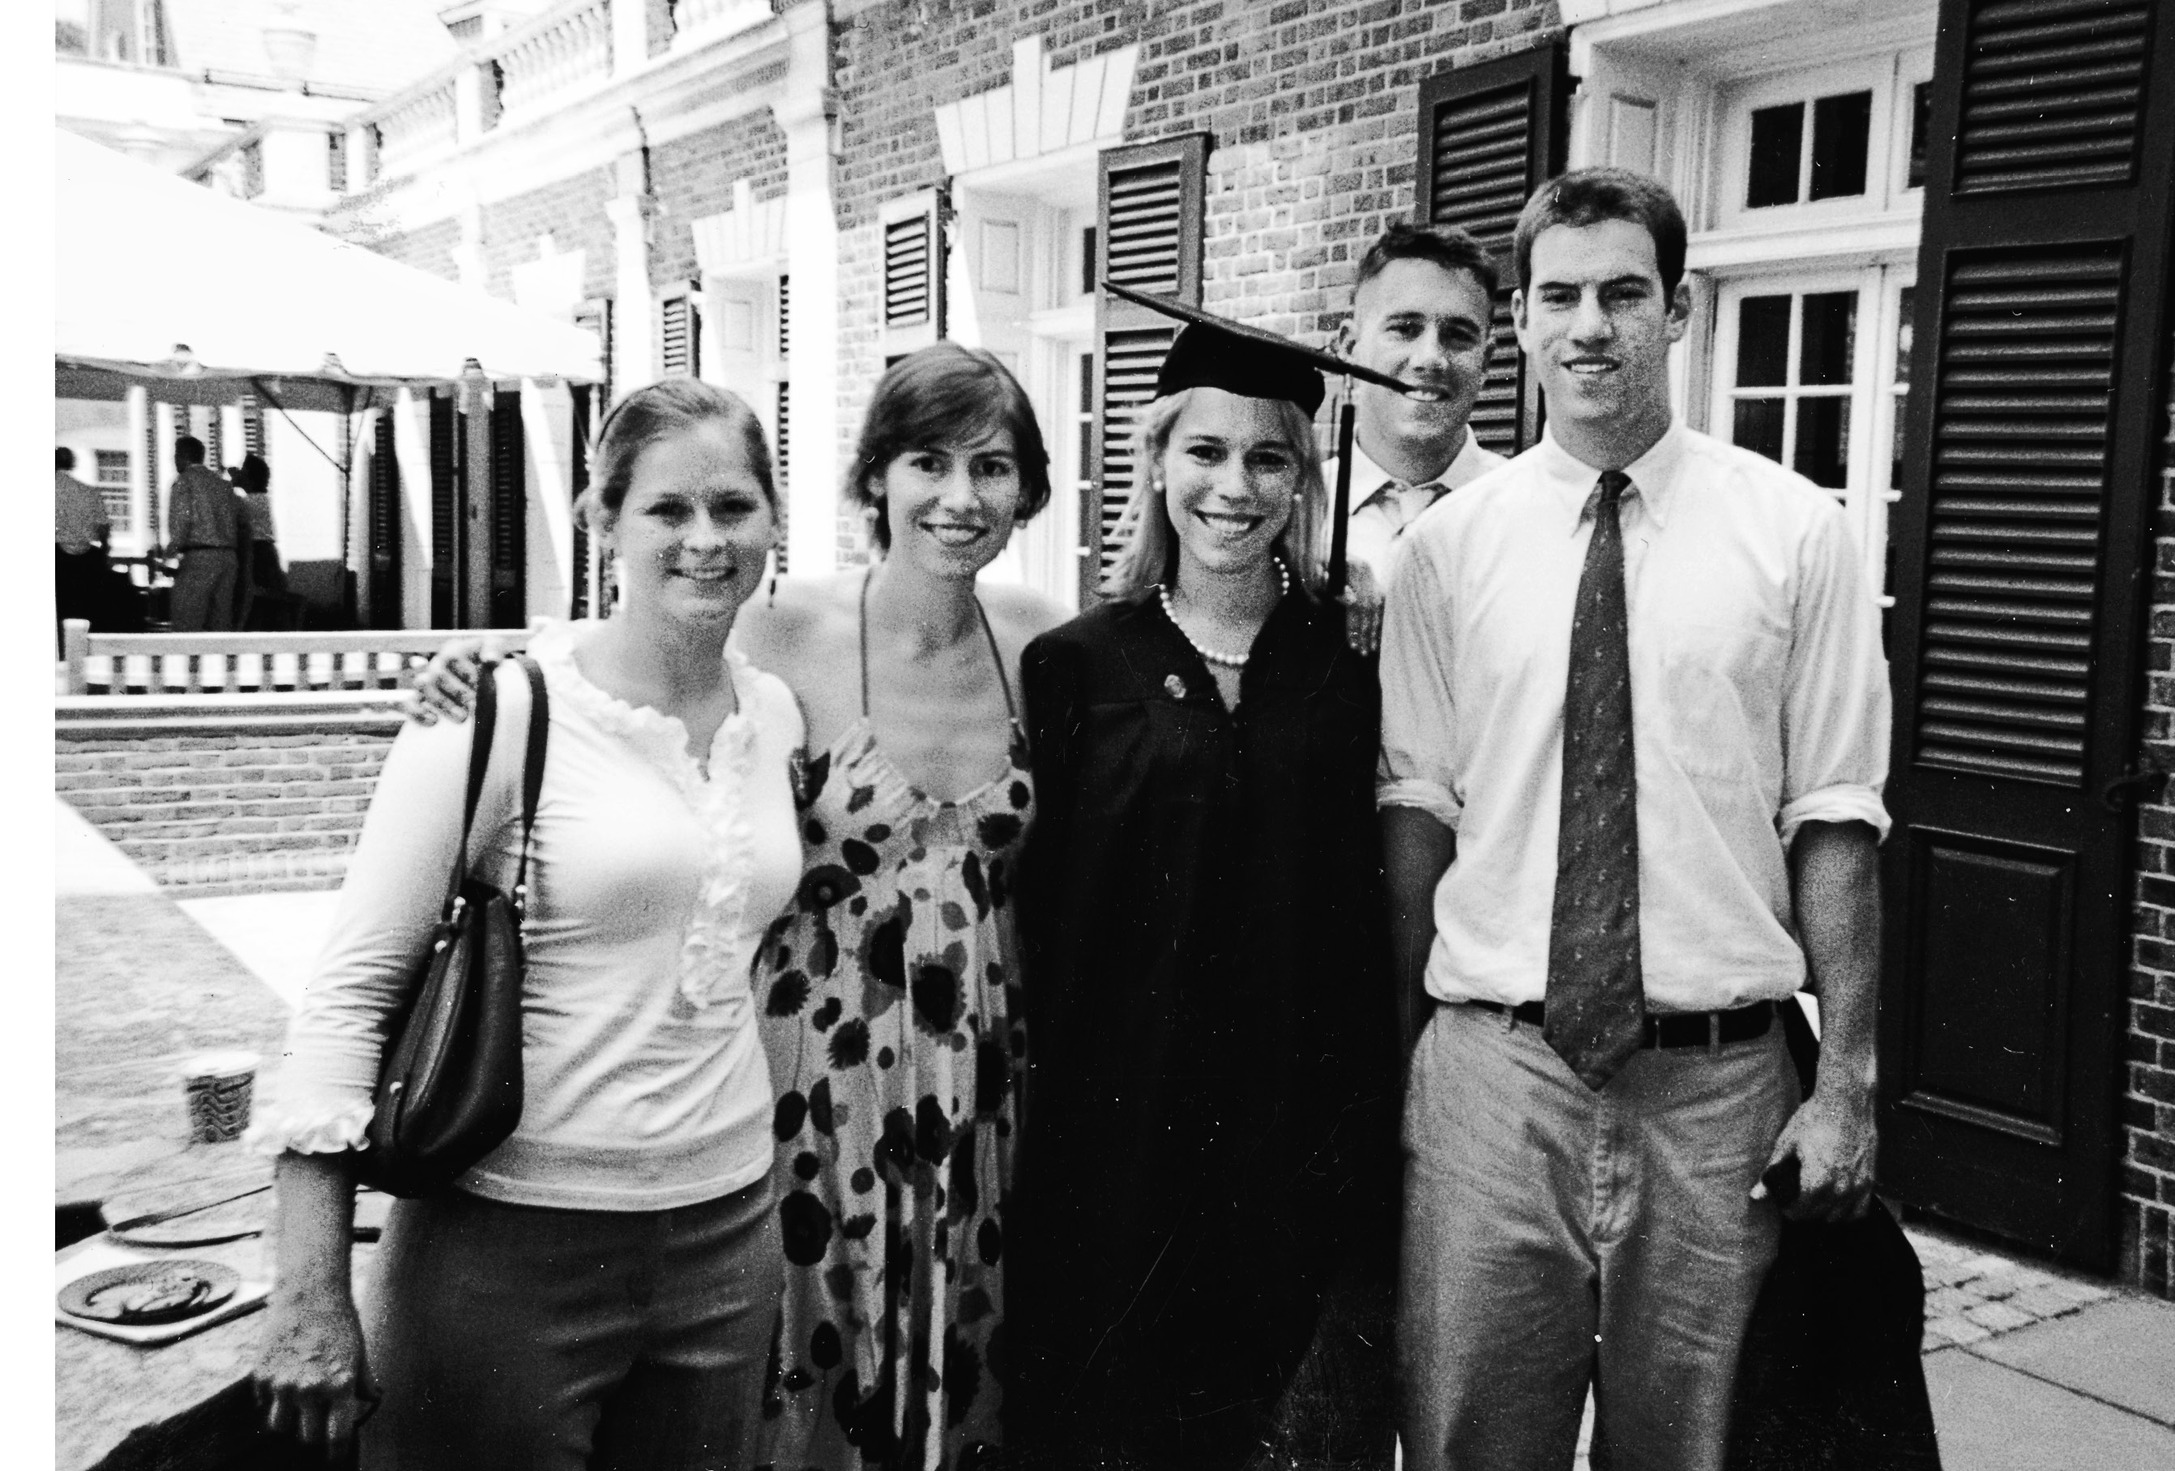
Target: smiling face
{"x":951,"y":508}
{"x":1598,"y":326}
{"x":1426,"y":324}
{"x":694,"y":527}
{"x":1229,"y":473}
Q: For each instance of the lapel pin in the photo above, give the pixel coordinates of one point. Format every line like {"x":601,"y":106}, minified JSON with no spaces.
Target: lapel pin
{"x":1175,"y":685}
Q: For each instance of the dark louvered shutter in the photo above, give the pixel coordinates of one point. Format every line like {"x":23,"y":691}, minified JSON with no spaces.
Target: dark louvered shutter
{"x":679,"y":336}
{"x":445,"y":512}
{"x":783,"y":468}
{"x":1489,"y":135}
{"x":383,"y":523}
{"x":2022,"y":548}
{"x":578,"y":601}
{"x":1148,"y":237}
{"x":154,"y":530}
{"x":914,"y":256}
{"x":509,"y":512}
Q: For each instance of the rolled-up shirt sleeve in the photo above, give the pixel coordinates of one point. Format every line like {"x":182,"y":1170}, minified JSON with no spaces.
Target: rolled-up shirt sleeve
{"x":318,"y":1100}
{"x":1835,"y":700}
{"x":1417,"y":711}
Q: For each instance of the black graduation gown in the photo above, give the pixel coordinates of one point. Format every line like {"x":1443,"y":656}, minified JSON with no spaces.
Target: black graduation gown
{"x":1210,"y":1104}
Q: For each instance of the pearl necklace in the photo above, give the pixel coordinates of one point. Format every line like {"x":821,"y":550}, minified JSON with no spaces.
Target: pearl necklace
{"x":1217,"y":656}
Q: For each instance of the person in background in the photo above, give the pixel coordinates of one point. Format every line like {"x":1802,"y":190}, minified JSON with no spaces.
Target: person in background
{"x":206,"y":529}
{"x":81,"y":533}
{"x":1421,"y":311}
{"x":1212,"y":1084}
{"x":599,"y":1290}
{"x":1604,"y":910}
{"x":264,"y":576}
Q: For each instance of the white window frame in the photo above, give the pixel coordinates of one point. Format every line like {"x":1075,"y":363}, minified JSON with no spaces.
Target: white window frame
{"x":1670,"y":89}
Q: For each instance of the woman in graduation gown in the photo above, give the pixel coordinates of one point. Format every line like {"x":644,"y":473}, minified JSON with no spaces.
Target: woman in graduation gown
{"x":1210,"y":1106}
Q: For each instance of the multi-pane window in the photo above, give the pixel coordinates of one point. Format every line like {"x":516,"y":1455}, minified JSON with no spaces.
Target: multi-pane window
{"x":1811,"y":371}
{"x":1790,"y":162}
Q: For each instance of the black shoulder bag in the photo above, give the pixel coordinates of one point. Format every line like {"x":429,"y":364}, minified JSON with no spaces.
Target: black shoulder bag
{"x":449,"y":1082}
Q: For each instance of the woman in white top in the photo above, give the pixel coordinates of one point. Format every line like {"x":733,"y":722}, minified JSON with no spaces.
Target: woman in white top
{"x":599,"y":1290}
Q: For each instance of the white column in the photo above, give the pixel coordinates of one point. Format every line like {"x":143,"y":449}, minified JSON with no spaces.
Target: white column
{"x":811,"y":238}
{"x":634,"y":309}
{"x":547,"y":427}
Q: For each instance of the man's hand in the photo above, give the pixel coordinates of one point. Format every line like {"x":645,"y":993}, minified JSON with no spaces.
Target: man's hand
{"x":1835,"y":886}
{"x":447,"y":684}
{"x":1831,"y":1140}
{"x":1362,"y":608}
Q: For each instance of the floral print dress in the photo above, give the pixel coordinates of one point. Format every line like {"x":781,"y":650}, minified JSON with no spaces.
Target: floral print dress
{"x":890,"y":1005}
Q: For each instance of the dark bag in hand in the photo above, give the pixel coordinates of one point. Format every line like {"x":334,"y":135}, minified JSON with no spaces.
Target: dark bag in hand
{"x":1831,"y":1376}
{"x":449,"y":1082}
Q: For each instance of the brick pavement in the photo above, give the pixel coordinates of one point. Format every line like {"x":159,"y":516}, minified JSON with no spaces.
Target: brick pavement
{"x":1973,"y":1294}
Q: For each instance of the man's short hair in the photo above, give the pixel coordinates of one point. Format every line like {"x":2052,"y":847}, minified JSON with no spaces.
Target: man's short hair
{"x":188,"y":450}
{"x":1451,"y":247}
{"x":63,"y":458}
{"x":1587,"y":197}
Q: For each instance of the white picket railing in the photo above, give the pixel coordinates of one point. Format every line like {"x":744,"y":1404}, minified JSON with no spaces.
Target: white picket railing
{"x":168,"y":664}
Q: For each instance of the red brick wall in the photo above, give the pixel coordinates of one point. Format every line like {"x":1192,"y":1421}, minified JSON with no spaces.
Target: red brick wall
{"x":693,"y":177}
{"x":214,"y":810}
{"x":427,"y":249}
{"x":2148,"y":1106}
{"x":573,"y":211}
{"x":1313,"y":107}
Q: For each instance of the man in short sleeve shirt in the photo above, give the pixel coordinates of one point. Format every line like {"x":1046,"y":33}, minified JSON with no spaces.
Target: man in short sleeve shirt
{"x":1635,"y":729}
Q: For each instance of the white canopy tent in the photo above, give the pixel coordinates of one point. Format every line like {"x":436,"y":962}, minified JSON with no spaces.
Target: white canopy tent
{"x":164,"y":283}
{"x":195,"y":298}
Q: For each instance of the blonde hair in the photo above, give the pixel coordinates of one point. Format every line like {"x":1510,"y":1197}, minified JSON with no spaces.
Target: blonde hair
{"x":1149,"y":546}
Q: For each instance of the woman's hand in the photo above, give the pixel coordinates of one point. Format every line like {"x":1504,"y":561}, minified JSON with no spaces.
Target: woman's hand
{"x":447,"y":684}
{"x":1362,"y":608}
{"x":311,"y":1375}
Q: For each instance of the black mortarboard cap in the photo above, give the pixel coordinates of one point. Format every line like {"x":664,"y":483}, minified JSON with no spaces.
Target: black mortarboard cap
{"x":1214,"y":352}
{"x":1211,"y":357}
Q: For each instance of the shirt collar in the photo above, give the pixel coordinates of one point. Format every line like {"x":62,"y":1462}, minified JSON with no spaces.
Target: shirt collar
{"x":1573,"y":484}
{"x":1367,"y":476}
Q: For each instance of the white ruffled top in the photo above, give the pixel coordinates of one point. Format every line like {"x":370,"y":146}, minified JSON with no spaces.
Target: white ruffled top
{"x":653,"y":878}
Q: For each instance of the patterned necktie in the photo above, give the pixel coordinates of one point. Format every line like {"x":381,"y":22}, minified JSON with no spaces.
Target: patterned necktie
{"x":1596,"y":1011}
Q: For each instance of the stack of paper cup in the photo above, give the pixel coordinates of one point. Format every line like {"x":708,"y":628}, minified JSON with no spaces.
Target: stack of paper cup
{"x":218,"y":1085}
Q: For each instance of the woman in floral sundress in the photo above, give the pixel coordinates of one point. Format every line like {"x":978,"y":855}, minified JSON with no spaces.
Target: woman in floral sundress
{"x":889,"y":989}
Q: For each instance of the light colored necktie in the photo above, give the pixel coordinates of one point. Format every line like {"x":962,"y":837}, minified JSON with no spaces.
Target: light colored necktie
{"x":1596,"y":1009}
{"x":1411,"y":500}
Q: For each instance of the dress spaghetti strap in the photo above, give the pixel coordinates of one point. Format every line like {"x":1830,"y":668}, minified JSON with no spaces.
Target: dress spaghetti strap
{"x":1004,"y":681}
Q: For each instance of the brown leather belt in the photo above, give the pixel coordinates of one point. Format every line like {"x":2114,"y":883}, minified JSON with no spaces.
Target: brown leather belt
{"x":1672,"y":1029}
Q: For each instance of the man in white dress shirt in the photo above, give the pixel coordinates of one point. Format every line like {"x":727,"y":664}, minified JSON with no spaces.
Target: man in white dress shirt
{"x":1635,"y":729}
{"x":1420,"y":312}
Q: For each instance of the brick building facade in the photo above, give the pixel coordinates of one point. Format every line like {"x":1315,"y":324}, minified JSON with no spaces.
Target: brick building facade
{"x":736,"y":183}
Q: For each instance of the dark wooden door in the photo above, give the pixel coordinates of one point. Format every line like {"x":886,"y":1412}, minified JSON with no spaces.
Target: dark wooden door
{"x":1150,"y":199}
{"x":1489,"y":135}
{"x":2022,"y":583}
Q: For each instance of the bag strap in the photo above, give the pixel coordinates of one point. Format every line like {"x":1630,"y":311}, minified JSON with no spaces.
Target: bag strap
{"x":479,"y":759}
{"x":532,"y":771}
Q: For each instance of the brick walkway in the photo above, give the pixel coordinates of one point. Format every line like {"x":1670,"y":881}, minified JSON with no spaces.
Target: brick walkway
{"x":1973,"y":1294}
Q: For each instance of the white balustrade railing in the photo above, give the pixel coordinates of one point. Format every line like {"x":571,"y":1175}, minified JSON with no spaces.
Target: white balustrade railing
{"x":563,"y":50}
{"x":417,"y":127}
{"x":252,"y":663}
{"x":695,"y":15}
